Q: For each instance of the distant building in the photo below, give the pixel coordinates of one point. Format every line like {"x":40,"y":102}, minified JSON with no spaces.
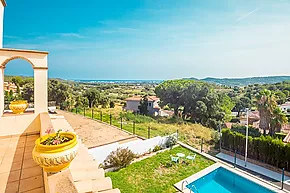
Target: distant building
{"x":285,"y":107}
{"x":10,"y":86}
{"x":133,"y":103}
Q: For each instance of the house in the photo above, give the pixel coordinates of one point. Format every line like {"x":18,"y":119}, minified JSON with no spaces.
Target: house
{"x":133,"y":103}
{"x":10,"y":86}
{"x":285,"y":107}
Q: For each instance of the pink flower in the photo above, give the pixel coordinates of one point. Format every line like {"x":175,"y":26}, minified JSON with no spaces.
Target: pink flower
{"x":49,"y":130}
{"x":56,"y":142}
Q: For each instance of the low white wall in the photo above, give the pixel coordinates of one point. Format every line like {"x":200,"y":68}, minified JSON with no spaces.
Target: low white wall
{"x":138,"y":147}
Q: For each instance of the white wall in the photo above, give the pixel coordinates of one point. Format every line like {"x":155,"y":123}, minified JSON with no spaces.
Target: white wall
{"x":1,"y":24}
{"x":132,"y":105}
{"x":138,"y":147}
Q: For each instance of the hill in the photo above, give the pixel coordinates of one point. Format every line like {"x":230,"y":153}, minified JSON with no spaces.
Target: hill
{"x":245,"y":81}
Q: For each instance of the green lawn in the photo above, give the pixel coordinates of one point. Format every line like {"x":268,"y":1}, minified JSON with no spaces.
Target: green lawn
{"x":149,"y":175}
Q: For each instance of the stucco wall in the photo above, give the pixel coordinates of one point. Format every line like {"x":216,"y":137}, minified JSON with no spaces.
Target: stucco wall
{"x":1,"y":24}
{"x":132,"y":105}
{"x":17,"y":125}
{"x":38,"y":60}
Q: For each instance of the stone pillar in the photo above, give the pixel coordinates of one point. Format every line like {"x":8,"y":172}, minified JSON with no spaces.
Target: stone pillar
{"x":40,"y":90}
{"x":1,"y":90}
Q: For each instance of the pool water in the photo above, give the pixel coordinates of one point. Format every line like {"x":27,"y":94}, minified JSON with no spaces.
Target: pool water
{"x":222,"y":180}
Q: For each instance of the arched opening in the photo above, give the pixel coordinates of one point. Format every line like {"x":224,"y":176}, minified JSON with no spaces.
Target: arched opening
{"x":18,"y":82}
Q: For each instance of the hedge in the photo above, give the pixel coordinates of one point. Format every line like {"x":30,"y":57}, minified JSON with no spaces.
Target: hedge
{"x":280,"y":135}
{"x":254,"y":132}
{"x":264,"y":148}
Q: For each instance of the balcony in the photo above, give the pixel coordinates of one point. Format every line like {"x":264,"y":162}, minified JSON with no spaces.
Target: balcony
{"x":18,"y":171}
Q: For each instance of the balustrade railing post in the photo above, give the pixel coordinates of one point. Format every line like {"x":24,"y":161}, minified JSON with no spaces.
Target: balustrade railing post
{"x":121,"y":122}
{"x":235,"y":161}
{"x":282,"y":182}
{"x":201,"y":146}
{"x":148,"y":132}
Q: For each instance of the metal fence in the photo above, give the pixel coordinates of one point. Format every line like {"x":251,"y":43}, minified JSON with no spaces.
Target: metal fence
{"x":120,"y":121}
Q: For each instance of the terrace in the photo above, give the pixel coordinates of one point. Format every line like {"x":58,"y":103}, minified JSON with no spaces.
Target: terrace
{"x":18,"y":171}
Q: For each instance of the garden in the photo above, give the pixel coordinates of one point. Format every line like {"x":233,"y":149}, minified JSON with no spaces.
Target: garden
{"x":149,"y":127}
{"x":158,"y":173}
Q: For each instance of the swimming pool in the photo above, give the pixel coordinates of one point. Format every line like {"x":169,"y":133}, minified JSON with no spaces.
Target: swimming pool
{"x":221,"y":180}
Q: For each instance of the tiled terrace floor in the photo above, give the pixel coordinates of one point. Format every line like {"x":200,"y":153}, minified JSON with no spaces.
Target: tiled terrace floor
{"x":18,"y":171}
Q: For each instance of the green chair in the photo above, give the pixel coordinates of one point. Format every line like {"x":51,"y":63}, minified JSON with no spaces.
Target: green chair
{"x":191,"y":157}
{"x":174,"y":159}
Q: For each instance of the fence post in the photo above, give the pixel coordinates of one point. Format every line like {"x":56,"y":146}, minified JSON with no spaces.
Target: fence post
{"x":282,"y":185}
{"x":220,"y":133}
{"x":235,"y":161}
{"x":84,"y":111}
{"x":148,"y":132}
{"x":177,"y":134}
{"x":134,"y":127}
{"x":92,"y":113}
{"x":121,"y":122}
{"x":201,"y":145}
{"x":110,"y":119}
{"x":101,"y":115}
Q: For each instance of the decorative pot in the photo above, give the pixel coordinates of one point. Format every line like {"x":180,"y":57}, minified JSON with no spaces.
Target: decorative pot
{"x":18,"y":107}
{"x":54,"y":158}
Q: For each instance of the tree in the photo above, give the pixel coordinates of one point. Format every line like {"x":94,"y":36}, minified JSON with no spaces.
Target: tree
{"x":198,"y":101}
{"x":266,"y":103}
{"x":28,"y":92}
{"x":277,"y":121}
{"x":143,"y":107}
{"x":93,"y":96}
{"x":286,"y":92}
{"x":17,"y":80}
{"x":281,"y":97}
{"x":112,"y":104}
{"x":104,"y":101}
{"x":241,"y":104}
{"x":58,"y":92}
{"x":227,"y":106}
{"x":170,"y":93}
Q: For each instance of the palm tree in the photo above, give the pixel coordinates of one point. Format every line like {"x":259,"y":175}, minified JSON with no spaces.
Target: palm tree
{"x":266,"y":104}
{"x":277,"y":121}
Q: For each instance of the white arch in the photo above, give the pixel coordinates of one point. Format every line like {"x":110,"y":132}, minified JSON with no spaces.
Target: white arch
{"x":38,"y":60}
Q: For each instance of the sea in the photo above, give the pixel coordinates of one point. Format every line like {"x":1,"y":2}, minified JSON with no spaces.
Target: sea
{"x":121,"y":81}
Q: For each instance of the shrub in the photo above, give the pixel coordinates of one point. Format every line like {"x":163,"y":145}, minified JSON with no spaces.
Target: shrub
{"x":119,"y":158}
{"x":112,"y":104}
{"x":280,"y":135}
{"x":157,"y":148}
{"x":138,"y":118}
{"x":264,"y":148}
{"x":254,"y":132}
{"x":171,"y":140}
{"x":235,"y":120}
{"x":167,"y":164}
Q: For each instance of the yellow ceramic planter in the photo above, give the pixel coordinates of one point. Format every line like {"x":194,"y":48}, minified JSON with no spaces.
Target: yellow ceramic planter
{"x":54,"y":158}
{"x":18,"y":107}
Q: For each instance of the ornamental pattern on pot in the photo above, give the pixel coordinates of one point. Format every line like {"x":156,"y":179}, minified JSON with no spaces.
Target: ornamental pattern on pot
{"x":54,"y":161}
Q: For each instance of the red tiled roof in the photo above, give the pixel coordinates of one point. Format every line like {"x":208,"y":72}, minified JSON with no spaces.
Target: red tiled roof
{"x":287,"y":138}
{"x":228,"y":125}
{"x":138,"y":98}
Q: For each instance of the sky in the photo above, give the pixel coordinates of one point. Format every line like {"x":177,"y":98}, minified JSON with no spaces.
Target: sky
{"x":151,"y":39}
